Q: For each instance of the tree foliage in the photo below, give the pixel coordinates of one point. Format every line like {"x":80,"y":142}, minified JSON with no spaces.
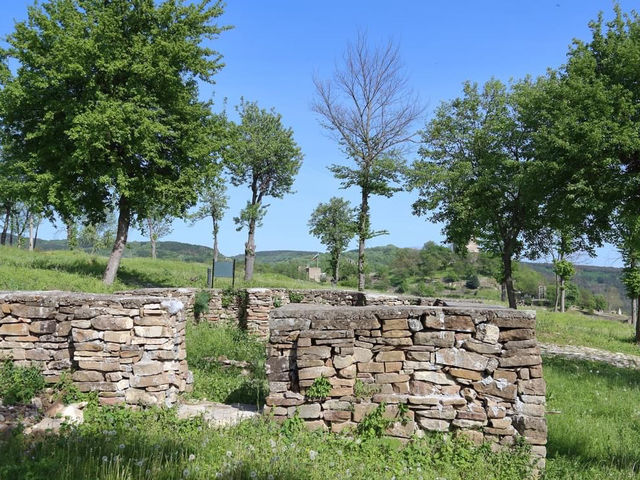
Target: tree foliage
{"x":104,"y":107}
{"x":264,"y":156}
{"x":478,"y":176}
{"x":333,"y":223}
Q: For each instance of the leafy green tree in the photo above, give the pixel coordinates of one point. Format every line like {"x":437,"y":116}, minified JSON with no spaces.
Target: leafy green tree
{"x":369,"y":109}
{"x":478,"y":176}
{"x":155,"y":227}
{"x":564,"y":269}
{"x":213,"y":204}
{"x":333,"y":223}
{"x":433,"y":257}
{"x":264,"y":156}
{"x":98,"y":236}
{"x":104,"y":105}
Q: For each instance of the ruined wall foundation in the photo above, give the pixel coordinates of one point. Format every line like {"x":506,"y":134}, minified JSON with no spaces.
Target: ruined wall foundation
{"x":129,"y":349}
{"x":476,"y":370}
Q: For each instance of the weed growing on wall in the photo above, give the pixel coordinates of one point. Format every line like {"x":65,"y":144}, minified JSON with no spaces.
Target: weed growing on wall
{"x":295,"y":297}
{"x":364,"y":391}
{"x":201,"y":303}
{"x":18,"y":385}
{"x":319,"y":389}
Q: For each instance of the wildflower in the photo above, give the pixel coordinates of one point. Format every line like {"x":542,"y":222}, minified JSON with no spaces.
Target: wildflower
{"x":269,"y":477}
{"x":313,"y":454}
{"x":121,"y":446}
{"x":185,"y":473}
{"x":192,"y":457}
{"x":218,"y":474}
{"x":140,"y":462}
{"x":105,"y":459}
{"x":229,"y":453}
{"x":272,"y":442}
{"x":253,"y":474}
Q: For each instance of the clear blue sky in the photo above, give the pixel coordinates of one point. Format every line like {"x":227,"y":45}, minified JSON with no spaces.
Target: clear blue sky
{"x":276,"y":47}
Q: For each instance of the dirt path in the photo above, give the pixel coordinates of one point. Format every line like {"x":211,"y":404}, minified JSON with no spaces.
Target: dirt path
{"x":621,"y":360}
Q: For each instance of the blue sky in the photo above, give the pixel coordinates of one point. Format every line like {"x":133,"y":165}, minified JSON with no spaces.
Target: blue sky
{"x":277,"y":46}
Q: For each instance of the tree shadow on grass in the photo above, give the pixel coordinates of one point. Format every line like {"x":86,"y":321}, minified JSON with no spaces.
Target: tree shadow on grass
{"x":94,"y":267}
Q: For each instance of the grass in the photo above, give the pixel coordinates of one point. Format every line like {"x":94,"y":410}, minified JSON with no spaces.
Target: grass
{"x":115,"y":443}
{"x":575,"y":328}
{"x":227,"y":384}
{"x":81,"y":272}
{"x":595,"y":433}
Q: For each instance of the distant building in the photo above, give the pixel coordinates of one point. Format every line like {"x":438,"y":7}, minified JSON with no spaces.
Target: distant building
{"x":472,"y":246}
{"x":314,"y":274}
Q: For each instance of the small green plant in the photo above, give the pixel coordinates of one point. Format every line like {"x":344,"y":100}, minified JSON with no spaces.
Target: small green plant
{"x":295,"y":297}
{"x":229,"y":296}
{"x":19,"y":384}
{"x":374,"y":424}
{"x":319,"y":389}
{"x":201,"y":303}
{"x":403,"y":413}
{"x":66,"y":391}
{"x":473,"y":282}
{"x":365,"y":390}
{"x":277,"y":302}
{"x":292,"y":426}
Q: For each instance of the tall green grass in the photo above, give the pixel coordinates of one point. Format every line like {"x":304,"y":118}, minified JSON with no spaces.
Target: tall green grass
{"x":575,"y":328}
{"x":594,"y":427}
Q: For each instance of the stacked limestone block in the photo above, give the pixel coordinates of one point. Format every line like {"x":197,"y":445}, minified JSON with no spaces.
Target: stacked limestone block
{"x":261,"y":301}
{"x":473,"y":369}
{"x":128,"y":349}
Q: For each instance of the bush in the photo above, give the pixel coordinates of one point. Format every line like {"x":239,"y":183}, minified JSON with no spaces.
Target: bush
{"x":201,"y":303}
{"x":295,"y":297}
{"x":319,"y":389}
{"x":473,"y":282}
{"x":19,"y":384}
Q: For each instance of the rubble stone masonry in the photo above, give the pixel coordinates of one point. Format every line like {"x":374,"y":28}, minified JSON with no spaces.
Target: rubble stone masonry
{"x":129,"y":349}
{"x":472,"y":369}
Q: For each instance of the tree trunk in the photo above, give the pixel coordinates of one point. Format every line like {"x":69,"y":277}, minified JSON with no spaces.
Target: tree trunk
{"x":5,"y":227}
{"x":250,"y":252}
{"x":152,"y":238}
{"x":13,"y":229}
{"x":35,"y":237}
{"x":124,"y":219}
{"x":503,"y":292}
{"x":216,"y":229}
{"x":508,"y":279}
{"x":363,"y":231}
{"x":634,"y":311}
{"x":636,"y":319}
{"x":30,"y":233}
{"x":71,"y":235}
{"x":562,"y":295}
{"x":336,"y":270}
{"x":555,"y":308}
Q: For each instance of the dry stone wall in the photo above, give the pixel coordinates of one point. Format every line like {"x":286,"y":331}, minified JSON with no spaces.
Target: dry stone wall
{"x":251,"y":307}
{"x":476,"y":370}
{"x":129,"y":349}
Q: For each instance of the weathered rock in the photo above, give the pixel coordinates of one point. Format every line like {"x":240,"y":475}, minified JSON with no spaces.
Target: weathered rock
{"x":461,"y":358}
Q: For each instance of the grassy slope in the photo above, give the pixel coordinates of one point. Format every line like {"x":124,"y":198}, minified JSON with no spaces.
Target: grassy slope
{"x":79,"y":271}
{"x":575,"y":328}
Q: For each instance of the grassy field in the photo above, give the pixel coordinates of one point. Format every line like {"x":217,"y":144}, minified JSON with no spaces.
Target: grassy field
{"x":575,"y":328}
{"x":81,"y":272}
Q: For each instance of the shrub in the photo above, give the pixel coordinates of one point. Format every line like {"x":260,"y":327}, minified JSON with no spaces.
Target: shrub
{"x":295,"y":297}
{"x":201,"y":303}
{"x":228,"y":297}
{"x":19,"y":384}
{"x":319,"y":389}
{"x":363,"y":390}
{"x":473,"y":282}
{"x":374,"y":424}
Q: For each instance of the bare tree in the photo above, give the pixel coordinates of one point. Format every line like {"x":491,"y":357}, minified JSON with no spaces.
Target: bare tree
{"x":369,"y":109}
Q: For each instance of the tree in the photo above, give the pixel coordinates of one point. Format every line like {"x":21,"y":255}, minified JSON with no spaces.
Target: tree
{"x":564,"y":270}
{"x":333,"y":223}
{"x":369,"y":109}
{"x":105,"y":106}
{"x":214,"y":202}
{"x":155,"y":227}
{"x":477,"y":175}
{"x":264,"y":156}
{"x":98,"y":236}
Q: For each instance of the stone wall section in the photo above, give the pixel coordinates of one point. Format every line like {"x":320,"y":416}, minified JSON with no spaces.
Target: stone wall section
{"x":475,"y":370}
{"x":128,"y":349}
{"x":251,"y":307}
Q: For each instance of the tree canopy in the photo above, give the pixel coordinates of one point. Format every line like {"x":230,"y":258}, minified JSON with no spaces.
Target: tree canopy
{"x":104,"y":107}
